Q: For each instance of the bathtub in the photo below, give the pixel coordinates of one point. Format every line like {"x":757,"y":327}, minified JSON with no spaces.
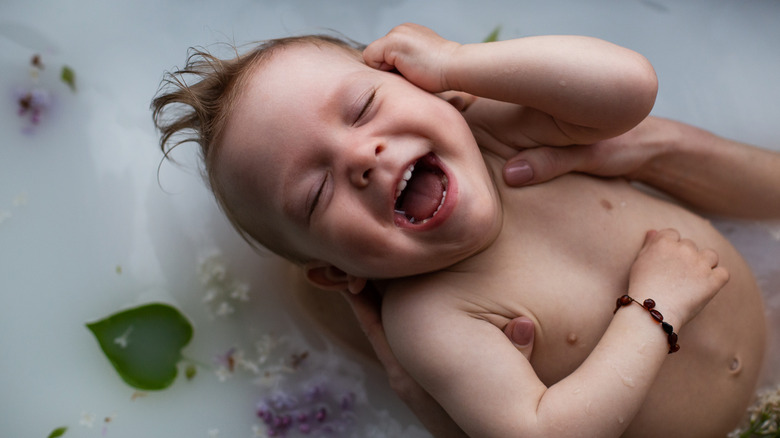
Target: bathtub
{"x":91,"y":221}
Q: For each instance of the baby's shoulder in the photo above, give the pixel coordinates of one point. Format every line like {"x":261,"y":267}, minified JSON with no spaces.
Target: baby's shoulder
{"x":428,"y":312}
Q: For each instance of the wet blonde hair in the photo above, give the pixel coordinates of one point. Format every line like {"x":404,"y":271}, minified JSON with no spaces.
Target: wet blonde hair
{"x":193,"y":104}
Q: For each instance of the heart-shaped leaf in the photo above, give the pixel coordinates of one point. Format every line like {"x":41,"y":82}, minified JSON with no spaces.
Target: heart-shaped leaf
{"x":144,"y":343}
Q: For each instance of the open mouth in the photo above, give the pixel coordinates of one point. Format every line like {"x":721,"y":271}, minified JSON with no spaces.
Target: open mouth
{"x":422,"y":190}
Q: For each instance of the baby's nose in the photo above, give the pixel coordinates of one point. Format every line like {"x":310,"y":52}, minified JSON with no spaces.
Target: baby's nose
{"x":363,"y":164}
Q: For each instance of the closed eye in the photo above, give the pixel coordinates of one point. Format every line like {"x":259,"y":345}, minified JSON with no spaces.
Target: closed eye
{"x":317,"y":197}
{"x":366,"y":106}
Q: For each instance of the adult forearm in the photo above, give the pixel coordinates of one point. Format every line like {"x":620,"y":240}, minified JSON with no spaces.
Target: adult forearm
{"x":716,"y":175}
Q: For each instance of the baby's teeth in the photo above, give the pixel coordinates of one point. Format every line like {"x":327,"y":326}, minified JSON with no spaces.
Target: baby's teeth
{"x":401,"y":187}
{"x":443,"y":197}
{"x":402,"y":184}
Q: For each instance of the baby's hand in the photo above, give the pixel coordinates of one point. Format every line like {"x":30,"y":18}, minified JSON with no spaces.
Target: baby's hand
{"x":675,"y":273}
{"x":417,"y":52}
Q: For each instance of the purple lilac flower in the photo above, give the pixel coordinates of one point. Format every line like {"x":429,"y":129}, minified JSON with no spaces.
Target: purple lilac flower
{"x":311,"y":410}
{"x":32,"y":103}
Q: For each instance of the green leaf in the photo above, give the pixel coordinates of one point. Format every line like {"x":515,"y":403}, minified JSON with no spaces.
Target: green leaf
{"x":69,"y":77}
{"x":144,"y":343}
{"x":493,"y":35}
{"x":60,"y":431}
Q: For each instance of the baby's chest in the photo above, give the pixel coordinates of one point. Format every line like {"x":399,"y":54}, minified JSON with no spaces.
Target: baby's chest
{"x":571,"y":305}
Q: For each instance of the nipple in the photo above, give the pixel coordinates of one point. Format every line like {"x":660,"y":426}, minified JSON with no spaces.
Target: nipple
{"x":572,"y":338}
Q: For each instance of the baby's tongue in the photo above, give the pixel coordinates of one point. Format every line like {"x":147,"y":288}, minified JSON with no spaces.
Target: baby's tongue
{"x":422,"y":195}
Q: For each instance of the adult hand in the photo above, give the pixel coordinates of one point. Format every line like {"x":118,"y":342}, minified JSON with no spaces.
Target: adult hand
{"x":695,"y":166}
{"x":366,"y":308}
{"x":625,"y":155}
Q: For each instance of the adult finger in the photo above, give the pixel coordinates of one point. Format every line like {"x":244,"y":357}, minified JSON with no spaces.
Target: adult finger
{"x":536,"y":165}
{"x":521,"y":332}
{"x":367,"y":313}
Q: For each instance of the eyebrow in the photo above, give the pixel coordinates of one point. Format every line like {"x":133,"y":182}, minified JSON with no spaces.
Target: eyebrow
{"x":355,"y":80}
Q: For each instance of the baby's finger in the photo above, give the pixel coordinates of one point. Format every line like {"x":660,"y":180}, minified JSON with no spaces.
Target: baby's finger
{"x":379,"y":55}
{"x":711,"y":257}
{"x":667,"y":233}
{"x":721,"y":275}
{"x":649,"y":236}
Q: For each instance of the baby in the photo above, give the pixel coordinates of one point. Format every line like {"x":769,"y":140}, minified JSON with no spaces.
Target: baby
{"x":359,"y":173}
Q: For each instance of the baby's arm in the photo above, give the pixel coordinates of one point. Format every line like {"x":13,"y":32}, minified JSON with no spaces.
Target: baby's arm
{"x":490,"y":389}
{"x":711,"y":173}
{"x":570,"y":89}
{"x":366,"y":307}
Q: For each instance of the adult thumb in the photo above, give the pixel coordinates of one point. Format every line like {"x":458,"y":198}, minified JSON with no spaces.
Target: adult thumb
{"x":540,"y":164}
{"x":521,"y":332}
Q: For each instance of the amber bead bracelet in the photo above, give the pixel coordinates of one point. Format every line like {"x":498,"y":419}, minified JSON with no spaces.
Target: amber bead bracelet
{"x":649,"y":305}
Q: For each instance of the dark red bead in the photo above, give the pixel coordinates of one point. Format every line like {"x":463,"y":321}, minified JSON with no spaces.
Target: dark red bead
{"x":625,"y":300}
{"x":656,"y":315}
{"x":648,"y":304}
{"x":674,"y":348}
{"x":668,"y":329}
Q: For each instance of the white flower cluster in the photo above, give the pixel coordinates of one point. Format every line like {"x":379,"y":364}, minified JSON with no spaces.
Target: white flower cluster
{"x":266,"y":370}
{"x":223,"y":292}
{"x":764,"y":416}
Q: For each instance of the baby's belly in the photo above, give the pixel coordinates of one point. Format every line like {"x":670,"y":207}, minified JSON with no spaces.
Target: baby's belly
{"x":707,"y":385}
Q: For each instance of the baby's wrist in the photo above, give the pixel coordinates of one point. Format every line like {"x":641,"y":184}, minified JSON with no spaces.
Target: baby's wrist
{"x":649,"y":305}
{"x":454,"y":67}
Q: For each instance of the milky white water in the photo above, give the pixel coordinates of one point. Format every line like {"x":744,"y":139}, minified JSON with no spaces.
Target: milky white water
{"x":88,"y":226}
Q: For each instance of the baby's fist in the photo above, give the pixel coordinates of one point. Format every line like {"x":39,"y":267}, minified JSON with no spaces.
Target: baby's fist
{"x":678,"y":275}
{"x":415,"y":51}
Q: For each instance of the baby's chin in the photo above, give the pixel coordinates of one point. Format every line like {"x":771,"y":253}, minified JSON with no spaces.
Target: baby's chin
{"x":444,"y":258}
{"x":390,"y":271}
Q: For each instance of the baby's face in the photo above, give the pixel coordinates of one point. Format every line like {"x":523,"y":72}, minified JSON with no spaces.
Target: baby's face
{"x":355,"y":167}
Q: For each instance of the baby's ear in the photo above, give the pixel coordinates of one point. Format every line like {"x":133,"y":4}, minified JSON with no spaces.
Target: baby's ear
{"x":326,"y":276}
